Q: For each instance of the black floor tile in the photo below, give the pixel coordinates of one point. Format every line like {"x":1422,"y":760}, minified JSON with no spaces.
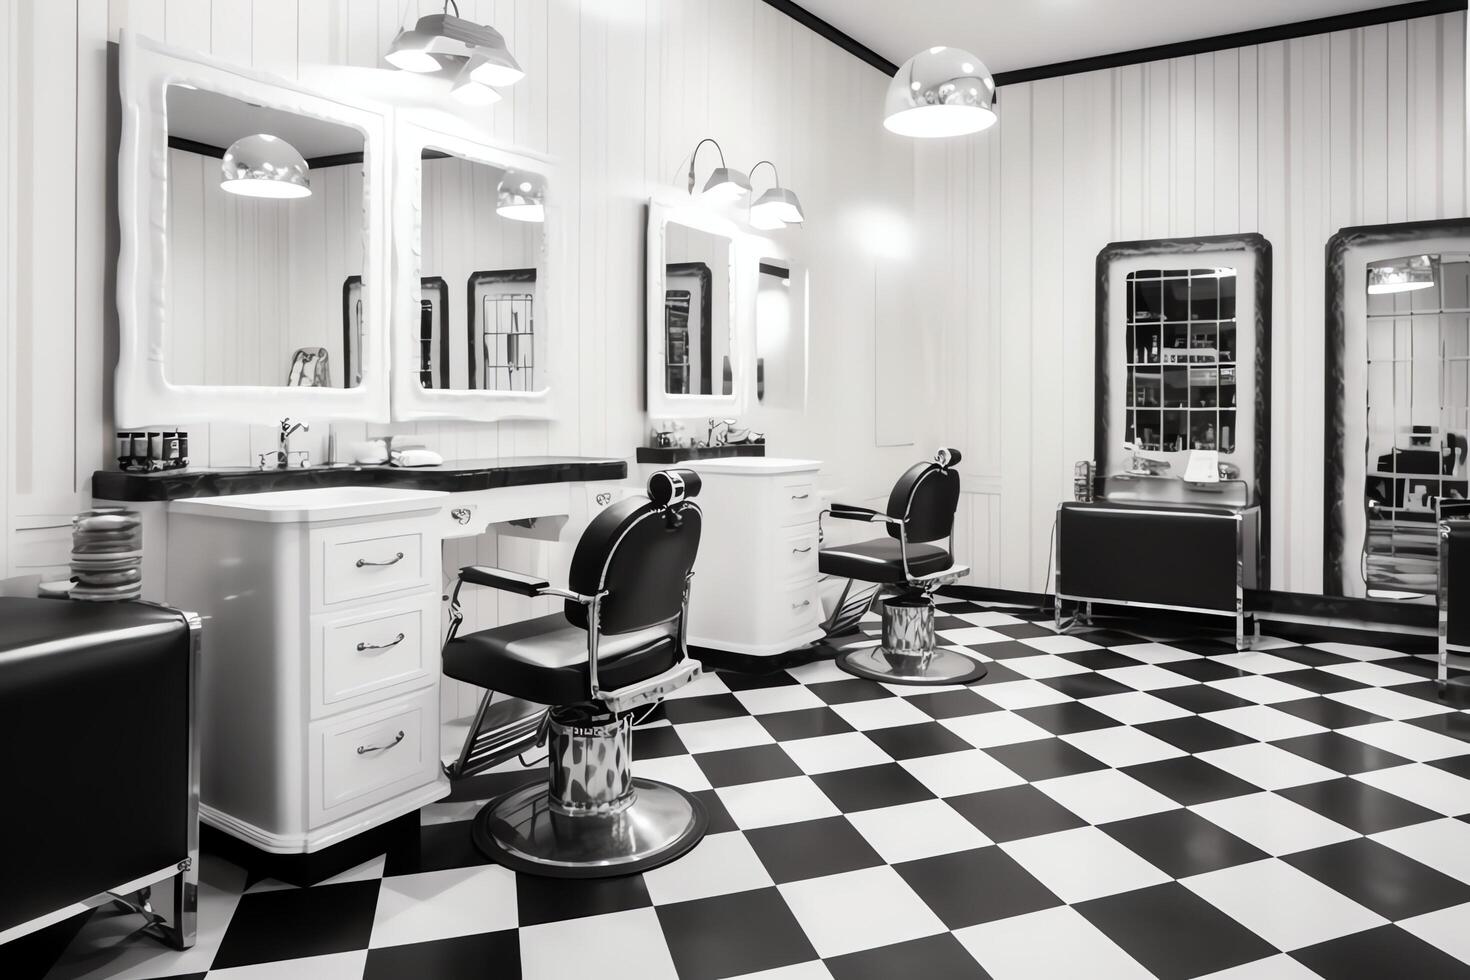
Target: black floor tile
{"x":1309,"y":657}
{"x":1380,"y":878}
{"x":935,"y":957}
{"x":812,"y":849}
{"x":489,"y":785}
{"x":976,"y":886}
{"x":1014,"y":813}
{"x":737,"y":681}
{"x":1182,"y":843}
{"x":297,"y":922}
{"x":1199,"y":698}
{"x":1024,"y":631}
{"x":848,"y":691}
{"x":491,"y":954}
{"x":1099,"y":659}
{"x":790,"y":726}
{"x":1318,"y":681}
{"x":720,"y":820}
{"x":1340,"y":753}
{"x":952,"y":704}
{"x":1188,"y":781}
{"x":1110,"y":637}
{"x":1173,"y":932}
{"x":1205,"y":669}
{"x":541,"y":899}
{"x":852,"y":790}
{"x":1387,"y":951}
{"x":730,"y":935}
{"x":1429,"y":690}
{"x":1044,"y":759}
{"x":1459,"y":765}
{"x":917,"y":741}
{"x":996,"y":673}
{"x":708,"y":707}
{"x":657,"y":743}
{"x":1085,"y":685}
{"x":947,"y":622}
{"x":1454,"y":724}
{"x":1067,"y":718}
{"x":1358,"y":806}
{"x":751,"y":764}
{"x":1194,"y":734}
{"x":1327,"y":713}
{"x":1008,"y":649}
{"x":440,"y":846}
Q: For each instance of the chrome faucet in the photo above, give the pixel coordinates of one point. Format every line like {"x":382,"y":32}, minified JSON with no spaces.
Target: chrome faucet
{"x":724,"y":436}
{"x":284,"y":457}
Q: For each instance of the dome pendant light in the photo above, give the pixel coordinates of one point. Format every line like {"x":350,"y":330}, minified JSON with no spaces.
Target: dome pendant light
{"x":725,"y":183}
{"x":777,"y":207}
{"x":264,"y":166}
{"x":521,"y":196}
{"x":940,"y":92}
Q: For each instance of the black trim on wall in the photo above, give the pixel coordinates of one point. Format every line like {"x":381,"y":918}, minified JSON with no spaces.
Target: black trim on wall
{"x":313,"y":163}
{"x":1138,"y":56}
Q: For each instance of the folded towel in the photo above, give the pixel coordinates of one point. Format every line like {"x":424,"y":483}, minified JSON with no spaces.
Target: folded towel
{"x":416,"y":457}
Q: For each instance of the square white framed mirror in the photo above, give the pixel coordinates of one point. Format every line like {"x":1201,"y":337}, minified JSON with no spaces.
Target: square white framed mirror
{"x":477,"y":332}
{"x":245,"y":203}
{"x":695,"y":344}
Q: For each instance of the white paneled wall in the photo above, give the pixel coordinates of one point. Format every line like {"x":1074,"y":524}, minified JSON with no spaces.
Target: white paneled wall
{"x":1293,"y":139}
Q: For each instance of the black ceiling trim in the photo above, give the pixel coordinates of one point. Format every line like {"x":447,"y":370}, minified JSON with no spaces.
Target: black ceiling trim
{"x":1138,"y":56}
{"x":194,"y":146}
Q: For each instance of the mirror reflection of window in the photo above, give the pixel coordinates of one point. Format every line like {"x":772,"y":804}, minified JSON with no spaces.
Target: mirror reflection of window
{"x":1418,"y":357}
{"x":255,"y":288}
{"x":697,"y":345}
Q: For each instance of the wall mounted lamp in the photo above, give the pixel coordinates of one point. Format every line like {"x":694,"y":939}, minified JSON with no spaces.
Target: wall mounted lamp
{"x":940,"y":92}
{"x":264,"y":166}
{"x":521,"y":196}
{"x":477,"y":53}
{"x":725,"y":182}
{"x":778,"y":206}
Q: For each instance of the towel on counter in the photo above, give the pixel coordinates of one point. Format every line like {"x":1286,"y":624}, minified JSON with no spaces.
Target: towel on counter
{"x":416,"y":456}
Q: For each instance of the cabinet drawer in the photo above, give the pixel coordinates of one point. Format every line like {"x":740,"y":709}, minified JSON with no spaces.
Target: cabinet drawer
{"x":795,"y":556}
{"x":366,"y":757}
{"x":361,"y":561}
{"x":796,"y":502}
{"x":367,"y":653}
{"x":795,"y":606}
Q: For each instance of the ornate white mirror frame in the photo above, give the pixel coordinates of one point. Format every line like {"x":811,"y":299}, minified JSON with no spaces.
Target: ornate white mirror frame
{"x":414,"y":132}
{"x":676,"y":208}
{"x":143,"y":394}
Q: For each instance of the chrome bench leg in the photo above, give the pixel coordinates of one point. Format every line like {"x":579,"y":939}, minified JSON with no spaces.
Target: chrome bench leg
{"x":909,"y":653}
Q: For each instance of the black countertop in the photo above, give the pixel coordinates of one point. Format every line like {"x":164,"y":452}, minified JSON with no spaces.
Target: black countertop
{"x":454,"y":476}
{"x":681,"y":454}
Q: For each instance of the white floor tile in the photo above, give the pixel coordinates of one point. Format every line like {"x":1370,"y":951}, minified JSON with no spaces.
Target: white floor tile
{"x":1282,"y":905}
{"x":769,"y":700}
{"x":1081,"y":864}
{"x":1409,"y":741}
{"x":829,"y":753}
{"x":1448,"y":929}
{"x":971,"y":636}
{"x":1136,"y":707}
{"x":1021,"y":694}
{"x":1256,"y":662}
{"x":581,"y":948}
{"x":1105,"y":795}
{"x":1388,"y":703}
{"x":1440,"y":791}
{"x":1264,"y":723}
{"x":436,"y":813}
{"x":1261,"y":690}
{"x":867,"y":716}
{"x":1355,"y":651}
{"x":1273,"y":823}
{"x":859,"y":910}
{"x":990,"y":619}
{"x":334,"y":966}
{"x":916,"y":830}
{"x":815,"y":970}
{"x":721,"y":864}
{"x":1444,"y":845}
{"x":819,"y":672}
{"x":442,"y":904}
{"x":1045,"y":665}
{"x":1155,"y":653}
{"x":776,"y":801}
{"x":723,"y":733}
{"x":1367,"y":673}
{"x":705,"y":684}
{"x":678,"y":770}
{"x":994,"y":728}
{"x":1060,"y":644}
{"x":1048,"y":945}
{"x":1278,"y":967}
{"x":915,"y":690}
{"x":1146,"y":677}
{"x":1122,"y":746}
{"x":1267,"y":766}
{"x":959,"y":773}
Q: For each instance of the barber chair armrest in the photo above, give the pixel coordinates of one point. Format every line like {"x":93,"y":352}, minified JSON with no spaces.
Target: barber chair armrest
{"x":849,"y":512}
{"x":505,"y":581}
{"x":651,"y":689}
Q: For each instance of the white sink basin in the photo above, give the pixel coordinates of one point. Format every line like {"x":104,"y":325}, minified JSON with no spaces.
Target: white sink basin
{"x":312,"y":504}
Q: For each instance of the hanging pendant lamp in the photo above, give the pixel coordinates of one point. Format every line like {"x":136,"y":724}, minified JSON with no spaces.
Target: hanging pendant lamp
{"x":940,"y":92}
{"x":264,"y":166}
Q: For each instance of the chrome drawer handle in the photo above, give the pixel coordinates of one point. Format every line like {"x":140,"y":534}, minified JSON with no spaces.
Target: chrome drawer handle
{"x":801,"y":551}
{"x":380,"y":646}
{"x":365,"y":749}
{"x":800,"y":496}
{"x":363,"y":562}
{"x":798,"y":605}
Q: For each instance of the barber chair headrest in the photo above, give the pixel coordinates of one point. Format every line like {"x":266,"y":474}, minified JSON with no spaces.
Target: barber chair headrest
{"x":947,"y":458}
{"x":669,"y":487}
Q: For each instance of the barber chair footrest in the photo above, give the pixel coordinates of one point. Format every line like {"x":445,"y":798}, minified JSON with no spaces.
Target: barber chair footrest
{"x":908,"y":653}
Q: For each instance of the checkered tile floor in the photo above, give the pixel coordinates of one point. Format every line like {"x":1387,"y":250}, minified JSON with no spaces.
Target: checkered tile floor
{"x":1102,"y":805}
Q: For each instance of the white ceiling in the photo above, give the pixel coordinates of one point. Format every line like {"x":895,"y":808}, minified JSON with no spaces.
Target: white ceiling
{"x":208,"y":117}
{"x":1012,"y":34}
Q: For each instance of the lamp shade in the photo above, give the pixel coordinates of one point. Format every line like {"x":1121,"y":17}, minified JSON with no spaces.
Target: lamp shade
{"x":410,"y":52}
{"x":775,"y":208}
{"x":728,"y":183}
{"x":521,"y":196}
{"x":264,"y":166}
{"x":469,"y":90}
{"x":940,"y":92}
{"x":1401,"y":275}
{"x":495,"y":66}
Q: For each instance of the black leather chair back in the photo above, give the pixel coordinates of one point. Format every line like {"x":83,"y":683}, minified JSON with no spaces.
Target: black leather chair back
{"x":641,"y":552}
{"x":925,"y":498}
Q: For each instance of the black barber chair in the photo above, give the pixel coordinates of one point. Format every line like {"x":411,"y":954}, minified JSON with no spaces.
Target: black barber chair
{"x":619,"y":645}
{"x":909,"y":565}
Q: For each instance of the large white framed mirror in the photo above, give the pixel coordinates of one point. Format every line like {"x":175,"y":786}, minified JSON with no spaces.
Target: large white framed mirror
{"x":695,"y":344}
{"x":780,"y":320}
{"x":476,"y":330}
{"x":245,"y":203}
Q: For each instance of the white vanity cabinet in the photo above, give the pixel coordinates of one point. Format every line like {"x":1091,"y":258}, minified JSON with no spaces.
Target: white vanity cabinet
{"x":319,"y":700}
{"x":755,"y":580}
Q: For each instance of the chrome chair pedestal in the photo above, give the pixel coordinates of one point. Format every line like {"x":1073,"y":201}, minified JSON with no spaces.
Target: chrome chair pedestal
{"x":909,"y":653}
{"x":591,"y":818}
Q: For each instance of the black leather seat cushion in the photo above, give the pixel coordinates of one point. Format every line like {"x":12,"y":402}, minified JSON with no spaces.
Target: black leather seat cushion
{"x":881,"y":560}
{"x":545,"y":659}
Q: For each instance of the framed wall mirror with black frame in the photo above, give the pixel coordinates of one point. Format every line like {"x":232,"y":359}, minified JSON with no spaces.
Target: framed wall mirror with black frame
{"x":483,"y":221}
{"x":245,"y":203}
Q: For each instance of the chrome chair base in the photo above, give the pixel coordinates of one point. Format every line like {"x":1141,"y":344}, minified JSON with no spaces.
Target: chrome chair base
{"x":525,"y":833}
{"x":909,"y":653}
